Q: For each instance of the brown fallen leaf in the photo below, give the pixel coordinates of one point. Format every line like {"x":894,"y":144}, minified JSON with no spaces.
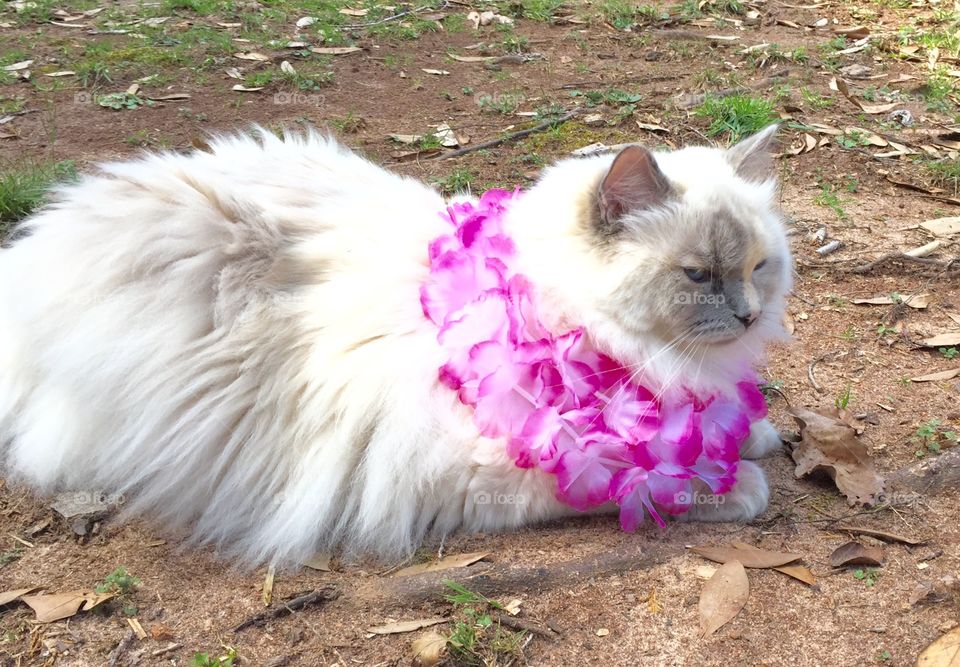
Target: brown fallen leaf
{"x":722,"y":597}
{"x":445,"y":563}
{"x":854,"y":553}
{"x":428,"y":649}
{"x":354,"y":12}
{"x":918,"y":301}
{"x":57,"y":606}
{"x":840,"y":86}
{"x":881,"y":535}
{"x":943,"y":340}
{"x":6,"y":597}
{"x":748,"y":556}
{"x":939,"y":376}
{"x":828,"y":443}
{"x":943,"y":652}
{"x":798,"y":572}
{"x":406,"y":626}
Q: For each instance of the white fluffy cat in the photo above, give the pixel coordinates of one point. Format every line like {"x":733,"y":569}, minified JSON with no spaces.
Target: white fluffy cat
{"x":235,"y":340}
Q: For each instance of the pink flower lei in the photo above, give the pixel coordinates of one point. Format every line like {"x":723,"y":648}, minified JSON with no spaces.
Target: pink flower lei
{"x":561,"y":405}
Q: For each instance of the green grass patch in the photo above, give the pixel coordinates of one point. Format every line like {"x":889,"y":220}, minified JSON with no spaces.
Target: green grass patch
{"x":24,"y":188}
{"x":736,"y":116}
{"x":945,"y":174}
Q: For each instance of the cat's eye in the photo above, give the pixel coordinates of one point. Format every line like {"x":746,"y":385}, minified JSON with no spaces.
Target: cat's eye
{"x":762,"y":263}
{"x":697,"y":275}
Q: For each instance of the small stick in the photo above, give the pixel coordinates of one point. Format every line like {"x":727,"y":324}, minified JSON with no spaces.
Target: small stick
{"x":520,"y":134}
{"x":122,"y":648}
{"x":902,"y":257}
{"x":812,"y":366}
{"x":525,"y":626}
{"x":319,"y":596}
{"x":166,"y":649}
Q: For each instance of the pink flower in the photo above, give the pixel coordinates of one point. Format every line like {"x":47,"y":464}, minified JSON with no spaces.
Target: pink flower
{"x":559,"y":404}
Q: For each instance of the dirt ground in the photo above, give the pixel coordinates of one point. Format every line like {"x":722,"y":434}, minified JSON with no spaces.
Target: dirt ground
{"x":845,"y":182}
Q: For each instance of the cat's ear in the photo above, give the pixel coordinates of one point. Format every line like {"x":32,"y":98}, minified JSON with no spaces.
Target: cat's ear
{"x":634,"y":181}
{"x":752,"y":158}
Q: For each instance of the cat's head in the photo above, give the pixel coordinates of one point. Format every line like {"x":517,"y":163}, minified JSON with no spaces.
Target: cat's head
{"x":682,"y":252}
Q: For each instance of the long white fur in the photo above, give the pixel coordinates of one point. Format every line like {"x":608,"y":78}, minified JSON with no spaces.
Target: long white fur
{"x":234,"y":340}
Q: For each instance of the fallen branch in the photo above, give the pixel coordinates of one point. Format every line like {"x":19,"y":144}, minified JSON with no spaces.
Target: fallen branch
{"x":525,"y":626}
{"x":930,"y":475}
{"x":121,"y":648}
{"x":317,"y":597}
{"x":513,"y":136}
{"x":493,"y":579}
{"x":907,"y":258}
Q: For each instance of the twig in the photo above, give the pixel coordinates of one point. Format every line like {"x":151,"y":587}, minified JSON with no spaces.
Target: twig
{"x":319,"y":596}
{"x":525,"y":626}
{"x":166,"y":649}
{"x":122,"y":648}
{"x":513,"y":136}
{"x":903,"y":257}
{"x":813,"y":365}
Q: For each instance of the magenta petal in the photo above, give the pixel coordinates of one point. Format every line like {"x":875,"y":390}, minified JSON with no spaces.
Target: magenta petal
{"x":752,"y":400}
{"x":583,"y":480}
{"x":724,"y":427}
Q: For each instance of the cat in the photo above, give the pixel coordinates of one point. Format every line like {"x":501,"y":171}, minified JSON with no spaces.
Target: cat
{"x":234,"y":337}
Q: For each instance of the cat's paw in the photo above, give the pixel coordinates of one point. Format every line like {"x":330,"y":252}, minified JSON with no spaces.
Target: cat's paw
{"x":764,"y":439}
{"x":745,"y":502}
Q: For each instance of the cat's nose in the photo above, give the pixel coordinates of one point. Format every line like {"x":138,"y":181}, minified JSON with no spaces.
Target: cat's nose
{"x":747,"y":320}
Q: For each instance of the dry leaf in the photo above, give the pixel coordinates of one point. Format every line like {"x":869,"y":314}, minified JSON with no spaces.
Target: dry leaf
{"x":252,"y":55}
{"x":354,"y":12}
{"x":169,"y":98}
{"x":16,"y":67}
{"x":943,"y":226}
{"x":704,"y":571}
{"x":748,"y":557}
{"x":841,"y":86}
{"x":319,"y":562}
{"x":435,"y":72}
{"x":7,"y":597}
{"x":939,"y":376}
{"x":798,"y":572}
{"x":472,"y":59}
{"x":722,"y":597}
{"x":828,"y":443}
{"x":243,"y":89}
{"x":943,"y":340}
{"x":428,"y":649}
{"x":918,"y":301}
{"x":859,"y":32}
{"x":854,"y":553}
{"x":944,"y":652}
{"x":57,"y":606}
{"x":406,"y":626}
{"x":65,"y":72}
{"x":306,"y":21}
{"x":445,"y":563}
{"x":335,"y":50}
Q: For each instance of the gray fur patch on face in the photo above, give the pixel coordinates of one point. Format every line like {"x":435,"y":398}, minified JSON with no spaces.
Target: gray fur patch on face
{"x":705,"y":279}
